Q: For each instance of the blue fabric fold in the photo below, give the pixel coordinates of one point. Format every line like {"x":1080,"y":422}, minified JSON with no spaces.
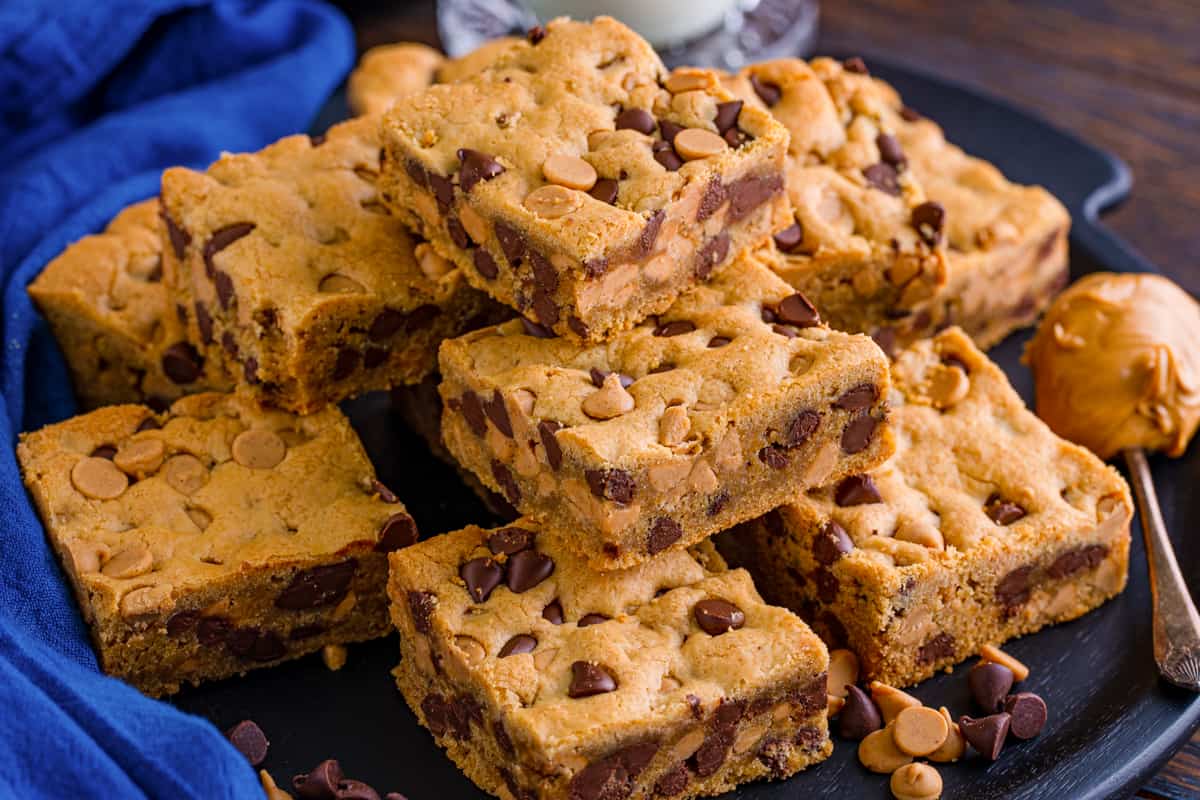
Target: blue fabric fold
{"x":96,"y":98}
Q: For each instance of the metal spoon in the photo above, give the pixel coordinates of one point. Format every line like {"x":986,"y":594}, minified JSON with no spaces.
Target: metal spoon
{"x":1176,"y":622}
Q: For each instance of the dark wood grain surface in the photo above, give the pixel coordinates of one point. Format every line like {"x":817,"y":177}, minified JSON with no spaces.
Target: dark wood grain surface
{"x":1125,"y":76}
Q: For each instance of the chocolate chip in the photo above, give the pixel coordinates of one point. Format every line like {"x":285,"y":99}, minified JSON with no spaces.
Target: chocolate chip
{"x":512,"y":242}
{"x":498,"y":413}
{"x":535,"y":330}
{"x":229,"y":344}
{"x":791,"y":238}
{"x":318,"y":586}
{"x":612,"y":777}
{"x":1077,"y":560}
{"x":862,"y":396}
{"x":855,"y":65}
{"x":1028,"y":712}
{"x":675,"y":328}
{"x":986,"y":735}
{"x":890,"y":150}
{"x":768,"y":92}
{"x":616,"y":485}
{"x":715,"y":748}
{"x":859,"y":716}
{"x":673,"y":781}
{"x":1013,"y":589}
{"x":182,"y":622}
{"x":989,"y":684}
{"x":856,"y":490}
{"x":605,"y":190}
{"x":929,"y":218}
{"x":802,"y":428}
{"x":714,"y":251}
{"x":527,"y":569}
{"x":320,"y":783}
{"x":669,"y":130}
{"x":858,"y":433}
{"x":578,"y":327}
{"x":421,"y":605}
{"x":212,"y":630}
{"x":547,"y":429}
{"x":443,"y":190}
{"x":884,"y":178}
{"x":476,"y":167}
{"x":458,"y":234}
{"x":249,"y":740}
{"x":827,"y":585}
{"x":224,"y":286}
{"x":374,"y":357}
{"x":472,"y":411}
{"x":592,"y":619}
{"x":910,"y":114}
{"x":795,"y":309}
{"x":719,"y":341}
{"x":222,"y":238}
{"x":521,"y":643}
{"x":938,"y":648}
{"x":667,"y":156}
{"x":302,"y":632}
{"x":663,"y":533}
{"x":508,"y":484}
{"x":398,"y":531}
{"x":417,"y":173}
{"x":774,"y":456}
{"x":598,"y":376}
{"x":1001,"y":511}
{"x":485,"y":265}
{"x":436,"y":711}
{"x":588,"y":679}
{"x":716,"y":616}
{"x":511,"y":540}
{"x":714,"y":195}
{"x":831,"y":543}
{"x":181,"y":363}
{"x":649,"y":235}
{"x":390,"y":321}
{"x":636,"y":119}
{"x":345,"y":364}
{"x":204,"y":322}
{"x":727,"y":115}
{"x":481,"y":575}
{"x":750,"y":192}
{"x":553,"y":613}
{"x":536,"y":34}
{"x":718,"y":502}
{"x":253,"y":644}
{"x":385,"y":494}
{"x":180,"y":238}
{"x":351,"y":789}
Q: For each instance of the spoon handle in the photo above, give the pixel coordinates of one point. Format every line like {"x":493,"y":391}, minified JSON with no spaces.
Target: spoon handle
{"x":1176,"y":623}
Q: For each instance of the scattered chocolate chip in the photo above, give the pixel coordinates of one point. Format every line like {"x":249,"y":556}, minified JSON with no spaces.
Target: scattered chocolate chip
{"x":910,"y":114}
{"x":670,"y":130}
{"x":180,"y":238}
{"x":302,"y":632}
{"x":224,"y":286}
{"x":774,"y":456}
{"x":1013,"y":589}
{"x":1028,"y":712}
{"x":249,"y":740}
{"x":649,"y":235}
{"x":727,"y":115}
{"x":497,"y":412}
{"x":472,"y":411}
{"x":320,"y":783}
{"x":718,"y":502}
{"x":612,"y":777}
{"x":719,"y":341}
{"x":588,"y":679}
{"x":204,"y":322}
{"x":768,"y":92}
{"x":485,"y":265}
{"x":421,"y":606}
{"x":675,"y":328}
{"x":104,"y":451}
{"x":831,"y":544}
{"x":714,"y":195}
{"x":374,"y":357}
{"x":827,"y":585}
{"x":399,"y":530}
{"x":458,"y":234}
{"x":938,"y":648}
{"x":229,"y":344}
{"x":578,"y":327}
{"x":253,"y":644}
{"x":858,"y":433}
{"x":481,"y":575}
{"x":791,"y":238}
{"x":986,"y":735}
{"x":855,"y":65}
{"x":527,"y":568}
{"x":535,"y":330}
{"x":476,"y":167}
{"x":318,"y":586}
{"x":856,"y":490}
{"x":521,"y":643}
{"x":890,"y":150}
{"x":616,"y":485}
{"x":663,"y":533}
{"x":346,"y":362}
{"x":598,"y":376}
{"x":547,"y":429}
{"x":182,"y":622}
{"x":859,"y":716}
{"x":802,"y":428}
{"x":929,"y":218}
{"x":989,"y":684}
{"x":715,"y":748}
{"x":385,"y":494}
{"x":222,"y":238}
{"x":443,"y":190}
{"x":750,"y":192}
{"x":1001,"y":511}
{"x":636,"y":119}
{"x":673,"y":781}
{"x":553,"y":613}
{"x":511,"y":540}
{"x":536,"y":34}
{"x":508,"y":484}
{"x":212,"y":630}
{"x":1077,"y":560}
{"x":351,"y":789}
{"x":795,"y":309}
{"x":667,"y":156}
{"x":884,"y":178}
{"x":605,"y":190}
{"x":592,"y":619}
{"x":716,"y":616}
{"x":714,"y":252}
{"x":862,"y":396}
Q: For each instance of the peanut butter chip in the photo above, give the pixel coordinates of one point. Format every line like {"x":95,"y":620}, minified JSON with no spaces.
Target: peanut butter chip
{"x":199,"y":516}
{"x":674,"y":426}
{"x":610,"y":400}
{"x":334,"y":656}
{"x":990,"y":652}
{"x":472,"y":650}
{"x":916,"y":782}
{"x":335,"y":283}
{"x":843,"y":671}
{"x":270,"y":788}
{"x":185,"y":473}
{"x":694,"y":143}
{"x":129,"y":563}
{"x":98,"y":478}
{"x":688,"y":80}
{"x":955,"y":745}
{"x":431,"y":264}
{"x":891,"y":701}
{"x":141,"y":457}
{"x":920,"y":731}
{"x":258,"y":449}
{"x":552,"y":202}
{"x":878,"y":752}
{"x":947,"y":386}
{"x":144,"y":601}
{"x":569,"y":171}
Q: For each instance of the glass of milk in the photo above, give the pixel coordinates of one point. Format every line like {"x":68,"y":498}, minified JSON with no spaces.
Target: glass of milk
{"x":663,"y":23}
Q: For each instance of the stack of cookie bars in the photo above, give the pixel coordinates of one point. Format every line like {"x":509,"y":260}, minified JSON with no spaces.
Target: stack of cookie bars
{"x":702,"y":278}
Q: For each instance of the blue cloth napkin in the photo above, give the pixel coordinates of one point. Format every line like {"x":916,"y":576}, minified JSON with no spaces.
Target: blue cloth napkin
{"x":96,"y":98}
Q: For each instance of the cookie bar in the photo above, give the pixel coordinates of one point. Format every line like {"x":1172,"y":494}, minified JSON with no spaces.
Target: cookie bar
{"x":574,"y":180}
{"x":983,"y":526}
{"x":106,"y":304}
{"x":543,"y":679}
{"x":214,"y":538}
{"x":389,"y":72}
{"x":899,"y":233}
{"x":287,"y":267}
{"x":722,"y":408}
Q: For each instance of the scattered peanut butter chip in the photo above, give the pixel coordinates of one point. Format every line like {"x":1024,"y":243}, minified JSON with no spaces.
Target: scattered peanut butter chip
{"x":569,"y":171}
{"x":258,"y":449}
{"x":129,"y":563}
{"x":919,"y":731}
{"x":921,"y":533}
{"x":185,"y":473}
{"x":199,"y":516}
{"x":947,"y":386}
{"x":955,"y":745}
{"x":843,"y":671}
{"x":432,"y":265}
{"x":878,"y":752}
{"x":270,"y":788}
{"x":336,"y":283}
{"x":334,"y":656}
{"x":144,"y":601}
{"x":552,"y":202}
{"x":989,"y":652}
{"x":891,"y":701}
{"x":472,"y":650}
{"x":141,"y":457}
{"x":688,"y":80}
{"x":609,"y":401}
{"x":674,"y":426}
{"x":916,"y":782}
{"x":87,"y":556}
{"x":98,"y":478}
{"x":694,"y":143}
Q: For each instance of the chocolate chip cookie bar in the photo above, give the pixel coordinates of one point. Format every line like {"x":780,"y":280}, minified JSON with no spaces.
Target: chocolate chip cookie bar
{"x":388,"y":72}
{"x":106,"y":304}
{"x":288,"y":268}
{"x":722,"y":408}
{"x":216,"y":537}
{"x":542,"y":679}
{"x":897,"y":232}
{"x":983,"y":526}
{"x":575,"y":180}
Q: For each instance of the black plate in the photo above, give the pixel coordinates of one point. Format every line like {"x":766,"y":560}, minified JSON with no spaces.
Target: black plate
{"x":1113,"y":723}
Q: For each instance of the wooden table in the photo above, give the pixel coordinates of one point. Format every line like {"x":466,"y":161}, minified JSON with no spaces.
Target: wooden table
{"x":1124,"y":75}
